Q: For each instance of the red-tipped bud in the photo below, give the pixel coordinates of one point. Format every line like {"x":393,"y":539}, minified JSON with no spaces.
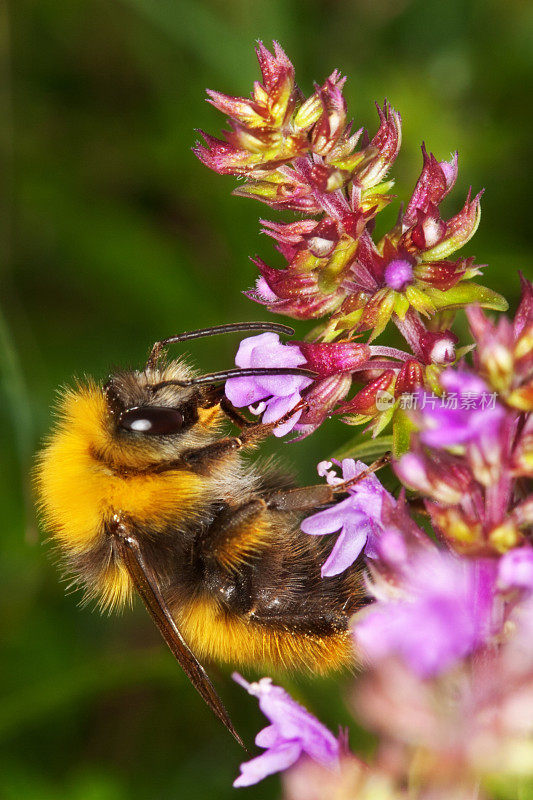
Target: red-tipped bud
{"x":332,"y":122}
{"x":274,"y":66}
{"x":334,"y":358}
{"x":410,"y":378}
{"x":435,"y":181}
{"x":224,"y":158}
{"x":296,"y":294}
{"x":459,"y":230}
{"x":383,"y":148}
{"x":322,"y":398}
{"x":364,"y":402}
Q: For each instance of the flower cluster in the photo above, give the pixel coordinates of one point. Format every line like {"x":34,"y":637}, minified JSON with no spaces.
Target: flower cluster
{"x":446,"y":640}
{"x":471,"y":461}
{"x":301,"y":154}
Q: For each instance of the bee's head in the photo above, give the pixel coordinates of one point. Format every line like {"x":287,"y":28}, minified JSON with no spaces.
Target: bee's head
{"x":154,"y":413}
{"x":109,"y":442}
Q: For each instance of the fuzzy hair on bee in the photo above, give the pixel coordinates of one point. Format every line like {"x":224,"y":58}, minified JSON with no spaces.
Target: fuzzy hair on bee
{"x":140,"y":491}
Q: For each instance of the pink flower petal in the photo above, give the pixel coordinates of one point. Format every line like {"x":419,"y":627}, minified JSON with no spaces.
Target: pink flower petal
{"x":346,"y":550}
{"x":269,"y":762}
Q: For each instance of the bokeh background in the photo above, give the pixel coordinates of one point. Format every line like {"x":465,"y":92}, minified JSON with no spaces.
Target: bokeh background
{"x":113,"y":236}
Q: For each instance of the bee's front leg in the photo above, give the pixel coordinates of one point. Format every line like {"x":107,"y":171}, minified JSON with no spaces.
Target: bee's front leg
{"x":236,"y":416}
{"x":216,"y":396}
{"x":203,"y":459}
{"x":307,"y":497}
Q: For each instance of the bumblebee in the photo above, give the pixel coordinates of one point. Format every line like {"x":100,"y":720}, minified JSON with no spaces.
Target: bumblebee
{"x":140,"y":491}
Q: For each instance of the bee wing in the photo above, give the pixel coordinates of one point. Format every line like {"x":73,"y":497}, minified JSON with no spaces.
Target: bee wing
{"x":151,"y":595}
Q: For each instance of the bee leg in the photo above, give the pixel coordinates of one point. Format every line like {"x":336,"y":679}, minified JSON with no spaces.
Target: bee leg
{"x":202,"y":459}
{"x":301,"y":498}
{"x":235,"y":534}
{"x":215,"y":395}
{"x":307,"y":497}
{"x":148,"y":587}
{"x":254,"y":432}
{"x":311,"y":621}
{"x":235,"y":415}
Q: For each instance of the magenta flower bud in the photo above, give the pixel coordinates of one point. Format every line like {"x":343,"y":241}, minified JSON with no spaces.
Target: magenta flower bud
{"x":327,"y":358}
{"x":515,"y":570}
{"x":293,"y":732}
{"x":449,"y":169}
{"x":442,"y":477}
{"x":429,"y":230}
{"x":398,"y":274}
{"x":323,"y":239}
{"x":298,"y":294}
{"x":263,"y":292}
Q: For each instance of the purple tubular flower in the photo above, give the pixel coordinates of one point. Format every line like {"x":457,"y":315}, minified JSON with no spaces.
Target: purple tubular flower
{"x":515,"y":570}
{"x":277,"y":394}
{"x":469,"y":416}
{"x":293,"y":732}
{"x":358,"y":518}
{"x":445,"y":614}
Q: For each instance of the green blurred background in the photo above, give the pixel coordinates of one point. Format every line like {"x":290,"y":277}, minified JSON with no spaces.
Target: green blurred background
{"x":114,"y":235}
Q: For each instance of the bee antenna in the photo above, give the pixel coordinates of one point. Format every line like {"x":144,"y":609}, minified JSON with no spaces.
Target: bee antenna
{"x":217,"y":377}
{"x":231,"y":327}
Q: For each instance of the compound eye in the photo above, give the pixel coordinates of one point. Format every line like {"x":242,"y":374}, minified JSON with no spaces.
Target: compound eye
{"x":152,"y":420}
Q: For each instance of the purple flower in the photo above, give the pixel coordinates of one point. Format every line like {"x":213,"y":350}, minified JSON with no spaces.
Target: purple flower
{"x":293,"y":732}
{"x":398,"y":274}
{"x":469,"y":414}
{"x":358,"y":518}
{"x":515,"y":569}
{"x":444,"y":612}
{"x":276,"y":394}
